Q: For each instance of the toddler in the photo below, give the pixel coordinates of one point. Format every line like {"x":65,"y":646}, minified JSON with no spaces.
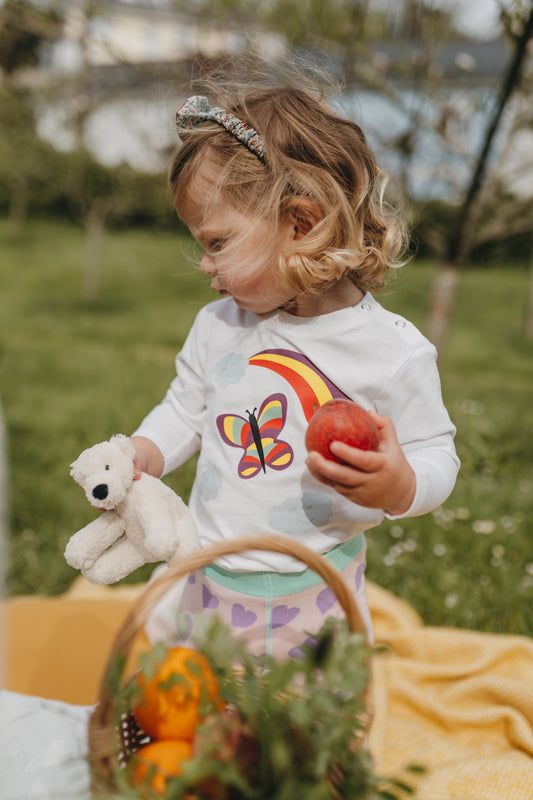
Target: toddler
{"x":286,"y":199}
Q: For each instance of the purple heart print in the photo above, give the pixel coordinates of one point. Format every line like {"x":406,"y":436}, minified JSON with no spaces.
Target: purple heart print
{"x":208,"y":600}
{"x":282,"y":615}
{"x":240,"y":617}
{"x":325,"y":600}
{"x":298,"y":652}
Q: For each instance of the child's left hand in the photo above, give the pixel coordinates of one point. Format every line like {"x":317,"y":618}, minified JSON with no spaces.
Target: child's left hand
{"x":382,"y":479}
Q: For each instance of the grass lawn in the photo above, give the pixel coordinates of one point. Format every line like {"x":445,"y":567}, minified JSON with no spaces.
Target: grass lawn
{"x":72,"y":372}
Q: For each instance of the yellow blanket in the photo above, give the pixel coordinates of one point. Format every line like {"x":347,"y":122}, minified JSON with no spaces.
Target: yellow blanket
{"x":457,"y":702}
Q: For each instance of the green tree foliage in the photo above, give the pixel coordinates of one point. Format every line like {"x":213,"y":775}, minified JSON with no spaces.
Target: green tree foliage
{"x":37,"y":179}
{"x":34,"y":177}
{"x":23,"y":31}
{"x":24,"y":28}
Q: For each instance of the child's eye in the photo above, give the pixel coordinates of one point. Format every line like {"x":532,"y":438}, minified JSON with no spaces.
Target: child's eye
{"x":107,"y":466}
{"x":215,"y":246}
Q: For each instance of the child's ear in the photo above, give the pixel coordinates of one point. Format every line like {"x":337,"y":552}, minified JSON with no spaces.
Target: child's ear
{"x":303,"y":214}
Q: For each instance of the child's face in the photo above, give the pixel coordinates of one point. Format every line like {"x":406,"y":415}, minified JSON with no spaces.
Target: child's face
{"x":240,"y":252}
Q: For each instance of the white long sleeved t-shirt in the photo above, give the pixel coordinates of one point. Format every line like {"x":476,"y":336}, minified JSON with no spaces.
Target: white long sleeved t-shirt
{"x":246,"y":381}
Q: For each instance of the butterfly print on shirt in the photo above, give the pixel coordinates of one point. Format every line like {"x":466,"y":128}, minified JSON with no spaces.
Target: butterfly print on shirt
{"x":257,"y":434}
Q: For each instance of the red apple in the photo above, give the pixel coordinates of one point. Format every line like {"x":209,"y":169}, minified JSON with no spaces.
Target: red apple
{"x":343,"y":421}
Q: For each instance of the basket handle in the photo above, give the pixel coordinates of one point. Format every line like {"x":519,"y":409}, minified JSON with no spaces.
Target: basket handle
{"x":179,"y":569}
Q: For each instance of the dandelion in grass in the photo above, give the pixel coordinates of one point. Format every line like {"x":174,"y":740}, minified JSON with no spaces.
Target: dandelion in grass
{"x":396,"y":532}
{"x":473,"y":407}
{"x":439,"y":550}
{"x":451,"y":600}
{"x":498,"y":552}
{"x":462,"y":513}
{"x":508,"y":524}
{"x":485,"y":526}
{"x":444,"y":517}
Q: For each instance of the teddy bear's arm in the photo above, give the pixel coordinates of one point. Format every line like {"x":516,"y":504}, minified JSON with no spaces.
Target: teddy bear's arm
{"x":84,"y":547}
{"x":117,"y":562}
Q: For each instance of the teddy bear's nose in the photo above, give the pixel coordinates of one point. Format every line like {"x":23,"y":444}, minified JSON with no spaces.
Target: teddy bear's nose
{"x":101,"y":491}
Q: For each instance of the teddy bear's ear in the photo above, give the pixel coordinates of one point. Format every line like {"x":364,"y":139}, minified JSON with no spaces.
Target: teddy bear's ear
{"x":75,"y":472}
{"x":124,"y":443}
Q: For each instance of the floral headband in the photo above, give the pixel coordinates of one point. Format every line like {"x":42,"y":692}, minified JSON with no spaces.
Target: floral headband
{"x":196,"y":110}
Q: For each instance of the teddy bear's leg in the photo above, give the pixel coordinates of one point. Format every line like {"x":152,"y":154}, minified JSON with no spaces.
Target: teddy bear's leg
{"x":184,"y":524}
{"x":171,"y":532}
{"x":117,"y":562}
{"x":84,"y":547}
{"x":161,"y":537}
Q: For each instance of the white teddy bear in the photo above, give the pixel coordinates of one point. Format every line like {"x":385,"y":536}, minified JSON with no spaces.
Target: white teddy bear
{"x":144,"y":521}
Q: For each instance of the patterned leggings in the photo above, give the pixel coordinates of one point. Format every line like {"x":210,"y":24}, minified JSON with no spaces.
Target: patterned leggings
{"x":273,"y":613}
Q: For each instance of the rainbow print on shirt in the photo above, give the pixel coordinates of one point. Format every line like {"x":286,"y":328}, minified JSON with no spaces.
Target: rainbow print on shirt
{"x":310,"y":384}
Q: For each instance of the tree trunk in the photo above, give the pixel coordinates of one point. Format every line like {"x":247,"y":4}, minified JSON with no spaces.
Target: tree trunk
{"x":18,"y":206}
{"x":442,"y":301}
{"x":529,"y":321}
{"x":3,"y":504}
{"x":461,"y":235}
{"x":94,"y":227}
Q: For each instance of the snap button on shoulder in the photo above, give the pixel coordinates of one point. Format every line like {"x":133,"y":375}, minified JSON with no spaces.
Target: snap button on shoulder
{"x":400,"y":323}
{"x":366,"y":307}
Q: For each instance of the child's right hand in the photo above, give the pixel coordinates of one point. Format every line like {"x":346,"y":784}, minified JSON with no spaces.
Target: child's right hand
{"x":382,"y":479}
{"x":148,"y":458}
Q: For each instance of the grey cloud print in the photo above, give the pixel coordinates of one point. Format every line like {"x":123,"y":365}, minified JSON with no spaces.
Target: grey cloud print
{"x":210,"y":482}
{"x":230,"y":369}
{"x":302,"y":514}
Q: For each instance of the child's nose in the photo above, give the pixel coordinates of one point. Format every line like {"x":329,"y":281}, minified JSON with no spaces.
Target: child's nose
{"x":207,"y":265}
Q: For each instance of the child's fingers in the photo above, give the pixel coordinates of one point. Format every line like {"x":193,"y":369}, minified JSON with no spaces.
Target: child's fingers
{"x":365,"y":460}
{"x":137,"y":469}
{"x":387,"y":431}
{"x":333,"y":473}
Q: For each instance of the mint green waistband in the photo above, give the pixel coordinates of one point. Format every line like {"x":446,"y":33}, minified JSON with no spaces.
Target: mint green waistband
{"x":276,"y":584}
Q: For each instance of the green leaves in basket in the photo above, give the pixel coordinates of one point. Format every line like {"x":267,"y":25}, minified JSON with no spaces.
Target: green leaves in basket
{"x":115,"y":673}
{"x":291,"y":729}
{"x":150,"y":661}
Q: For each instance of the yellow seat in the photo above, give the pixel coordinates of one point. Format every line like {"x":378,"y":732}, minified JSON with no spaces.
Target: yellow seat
{"x":57,"y":647}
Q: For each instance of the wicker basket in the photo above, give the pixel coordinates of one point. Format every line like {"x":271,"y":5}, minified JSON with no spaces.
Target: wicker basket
{"x":104,"y":743}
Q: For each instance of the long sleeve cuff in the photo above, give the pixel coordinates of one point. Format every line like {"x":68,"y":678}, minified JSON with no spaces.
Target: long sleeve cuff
{"x":435,"y":479}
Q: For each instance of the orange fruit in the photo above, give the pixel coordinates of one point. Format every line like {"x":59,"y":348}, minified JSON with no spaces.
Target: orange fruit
{"x":176,"y":699}
{"x":158,"y":761}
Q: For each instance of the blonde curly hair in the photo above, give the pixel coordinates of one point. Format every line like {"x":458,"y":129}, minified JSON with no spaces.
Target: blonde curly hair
{"x":313,"y":155}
